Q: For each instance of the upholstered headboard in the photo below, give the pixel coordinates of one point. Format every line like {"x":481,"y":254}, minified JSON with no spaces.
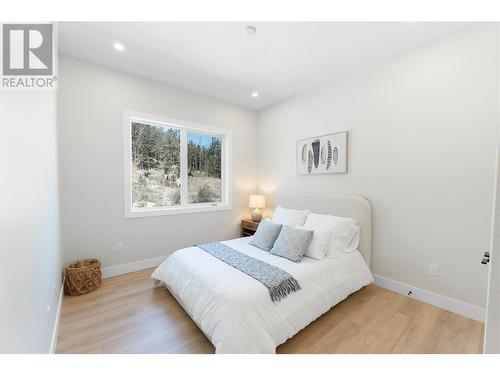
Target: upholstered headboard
{"x":353,"y":206}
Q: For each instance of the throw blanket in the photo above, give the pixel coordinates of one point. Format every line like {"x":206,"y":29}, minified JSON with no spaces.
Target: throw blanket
{"x":280,"y":283}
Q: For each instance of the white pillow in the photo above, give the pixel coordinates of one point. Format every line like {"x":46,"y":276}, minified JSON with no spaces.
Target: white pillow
{"x":354,"y":242}
{"x":322,"y":227}
{"x":341,"y":237}
{"x":287,"y":216}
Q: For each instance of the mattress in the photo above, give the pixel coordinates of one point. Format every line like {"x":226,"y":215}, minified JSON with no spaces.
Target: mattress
{"x":235,"y":311}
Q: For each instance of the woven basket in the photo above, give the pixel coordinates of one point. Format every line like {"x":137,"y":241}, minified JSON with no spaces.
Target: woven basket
{"x":82,"y":277}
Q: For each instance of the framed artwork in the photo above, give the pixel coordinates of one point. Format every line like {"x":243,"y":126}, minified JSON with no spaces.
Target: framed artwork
{"x":323,"y":154}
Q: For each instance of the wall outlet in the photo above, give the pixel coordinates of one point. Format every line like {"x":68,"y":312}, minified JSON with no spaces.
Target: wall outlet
{"x":119,"y":248}
{"x":433,"y":269}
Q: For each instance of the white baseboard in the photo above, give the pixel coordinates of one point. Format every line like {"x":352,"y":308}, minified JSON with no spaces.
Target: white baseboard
{"x":446,"y":303}
{"x":55,"y":331}
{"x":131,"y":267}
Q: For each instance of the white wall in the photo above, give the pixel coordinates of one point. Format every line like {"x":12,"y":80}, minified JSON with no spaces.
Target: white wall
{"x":422,"y":130}
{"x":30,"y":263}
{"x":91,"y":103}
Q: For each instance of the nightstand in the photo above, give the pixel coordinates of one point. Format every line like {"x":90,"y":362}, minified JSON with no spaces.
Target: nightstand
{"x":248,"y":227}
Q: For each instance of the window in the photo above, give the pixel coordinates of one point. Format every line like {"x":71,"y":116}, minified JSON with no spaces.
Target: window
{"x":204,"y":168}
{"x":173,"y":166}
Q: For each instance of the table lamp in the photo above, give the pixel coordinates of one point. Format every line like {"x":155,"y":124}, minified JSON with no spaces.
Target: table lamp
{"x":257,"y":202}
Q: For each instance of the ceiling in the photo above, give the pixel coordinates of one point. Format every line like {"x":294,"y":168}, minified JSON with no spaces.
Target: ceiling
{"x":219,"y":60}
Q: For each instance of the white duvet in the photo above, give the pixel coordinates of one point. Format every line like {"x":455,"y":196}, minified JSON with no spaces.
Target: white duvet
{"x":235,"y":311}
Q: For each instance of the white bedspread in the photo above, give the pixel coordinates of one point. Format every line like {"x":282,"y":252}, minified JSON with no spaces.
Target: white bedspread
{"x":235,"y":311}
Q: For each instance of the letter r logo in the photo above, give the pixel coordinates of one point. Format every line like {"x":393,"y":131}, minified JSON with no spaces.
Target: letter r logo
{"x":27,"y":49}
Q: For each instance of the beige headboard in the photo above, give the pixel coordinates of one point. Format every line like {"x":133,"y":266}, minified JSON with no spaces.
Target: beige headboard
{"x":353,"y":206}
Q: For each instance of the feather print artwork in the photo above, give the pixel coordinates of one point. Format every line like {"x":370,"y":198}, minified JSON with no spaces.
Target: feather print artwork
{"x":304,"y":153}
{"x":315,"y":147}
{"x":324,"y":154}
{"x":309,"y":161}
{"x":335,"y":155}
{"x":329,"y":157}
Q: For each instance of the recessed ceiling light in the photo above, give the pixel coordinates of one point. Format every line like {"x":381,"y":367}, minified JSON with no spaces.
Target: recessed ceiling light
{"x":255,"y":94}
{"x":119,"y":46}
{"x":250,"y":30}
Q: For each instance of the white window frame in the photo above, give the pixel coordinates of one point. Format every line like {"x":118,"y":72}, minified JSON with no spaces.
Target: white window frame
{"x":184,"y":127}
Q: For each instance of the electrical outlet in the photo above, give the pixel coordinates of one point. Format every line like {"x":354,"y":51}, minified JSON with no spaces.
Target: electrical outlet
{"x":433,"y":269}
{"x":119,"y":248}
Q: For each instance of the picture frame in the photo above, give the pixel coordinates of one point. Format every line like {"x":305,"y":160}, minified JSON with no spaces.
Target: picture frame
{"x":325,"y":154}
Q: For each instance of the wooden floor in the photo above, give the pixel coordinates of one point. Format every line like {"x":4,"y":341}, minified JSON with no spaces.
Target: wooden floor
{"x":127,"y":315}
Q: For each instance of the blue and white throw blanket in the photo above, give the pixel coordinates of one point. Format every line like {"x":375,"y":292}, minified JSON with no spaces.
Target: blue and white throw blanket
{"x":280,"y":283}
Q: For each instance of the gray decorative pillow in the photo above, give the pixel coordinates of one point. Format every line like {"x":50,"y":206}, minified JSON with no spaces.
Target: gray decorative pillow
{"x":266,"y":235}
{"x":292,"y":243}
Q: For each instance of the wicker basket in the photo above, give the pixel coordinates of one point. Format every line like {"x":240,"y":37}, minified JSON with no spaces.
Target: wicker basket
{"x":82,"y":277}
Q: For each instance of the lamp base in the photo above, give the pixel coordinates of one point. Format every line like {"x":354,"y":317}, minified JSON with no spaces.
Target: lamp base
{"x":256,"y":215}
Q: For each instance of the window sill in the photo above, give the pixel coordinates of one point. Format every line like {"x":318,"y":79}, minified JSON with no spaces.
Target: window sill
{"x":136,"y":213}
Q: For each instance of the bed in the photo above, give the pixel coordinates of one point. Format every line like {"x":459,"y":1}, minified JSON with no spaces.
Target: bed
{"x":235,"y":311}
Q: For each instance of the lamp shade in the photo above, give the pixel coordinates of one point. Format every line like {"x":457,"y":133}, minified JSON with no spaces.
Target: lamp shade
{"x":257,"y":201}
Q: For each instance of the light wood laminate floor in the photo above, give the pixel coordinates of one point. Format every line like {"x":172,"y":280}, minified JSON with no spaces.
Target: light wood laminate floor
{"x":128,"y":315}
